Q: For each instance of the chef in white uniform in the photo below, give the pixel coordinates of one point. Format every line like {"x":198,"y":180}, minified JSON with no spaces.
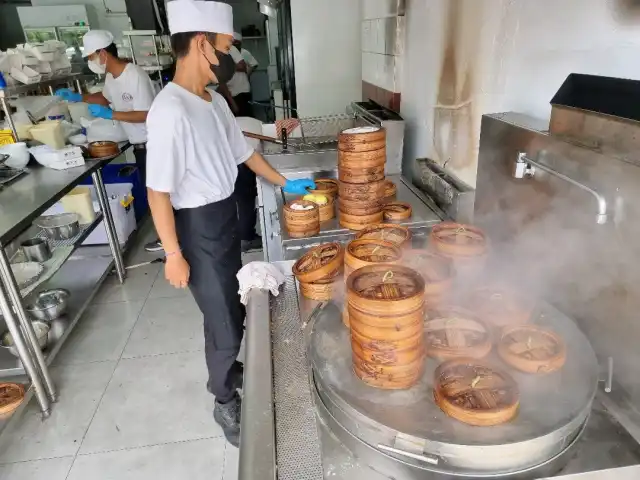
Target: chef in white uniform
{"x":127,"y":95}
{"x":194,"y":149}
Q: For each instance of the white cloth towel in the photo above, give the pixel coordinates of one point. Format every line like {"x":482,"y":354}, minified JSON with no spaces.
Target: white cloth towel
{"x":260,"y":275}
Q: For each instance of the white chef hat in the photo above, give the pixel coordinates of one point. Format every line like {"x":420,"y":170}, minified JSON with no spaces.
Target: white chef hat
{"x":95,"y":40}
{"x":199,"y":16}
{"x":237,"y":36}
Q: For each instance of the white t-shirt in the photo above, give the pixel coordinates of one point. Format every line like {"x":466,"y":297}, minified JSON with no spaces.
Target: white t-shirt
{"x":131,"y":91}
{"x":239,"y":83}
{"x":194,"y":147}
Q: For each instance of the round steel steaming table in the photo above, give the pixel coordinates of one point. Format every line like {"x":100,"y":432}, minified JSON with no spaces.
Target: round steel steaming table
{"x":408,"y":425}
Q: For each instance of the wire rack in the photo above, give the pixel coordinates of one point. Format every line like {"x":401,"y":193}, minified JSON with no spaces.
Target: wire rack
{"x":323,"y":130}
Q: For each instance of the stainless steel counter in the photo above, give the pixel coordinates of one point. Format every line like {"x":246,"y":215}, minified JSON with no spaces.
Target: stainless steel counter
{"x":278,"y":440}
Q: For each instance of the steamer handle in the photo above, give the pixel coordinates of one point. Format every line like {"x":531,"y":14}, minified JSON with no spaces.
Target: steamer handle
{"x":415,"y":456}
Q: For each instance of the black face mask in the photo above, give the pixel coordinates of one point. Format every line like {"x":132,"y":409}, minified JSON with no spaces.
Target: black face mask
{"x":226,"y":67}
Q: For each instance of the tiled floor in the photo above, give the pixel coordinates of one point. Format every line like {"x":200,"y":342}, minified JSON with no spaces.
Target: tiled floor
{"x":133,"y":403}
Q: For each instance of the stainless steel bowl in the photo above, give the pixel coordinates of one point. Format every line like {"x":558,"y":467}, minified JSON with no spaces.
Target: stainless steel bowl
{"x":36,"y":250}
{"x":42,"y":334}
{"x":49,"y":305}
{"x":59,"y":227}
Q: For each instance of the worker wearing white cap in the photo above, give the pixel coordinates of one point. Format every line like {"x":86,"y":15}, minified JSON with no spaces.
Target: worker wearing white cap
{"x":239,"y":87}
{"x":194,"y":149}
{"x":127,"y":94}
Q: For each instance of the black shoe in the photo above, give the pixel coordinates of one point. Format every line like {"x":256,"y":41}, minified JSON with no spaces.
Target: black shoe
{"x":253,"y":244}
{"x":154,"y":246}
{"x":227,"y":415}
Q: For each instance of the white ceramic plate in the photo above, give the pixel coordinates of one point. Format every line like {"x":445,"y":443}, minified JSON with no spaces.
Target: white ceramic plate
{"x":26,"y":272}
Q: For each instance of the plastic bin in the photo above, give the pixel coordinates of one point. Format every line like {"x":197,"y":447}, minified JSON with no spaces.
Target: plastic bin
{"x":121,"y":209}
{"x":127,"y":173}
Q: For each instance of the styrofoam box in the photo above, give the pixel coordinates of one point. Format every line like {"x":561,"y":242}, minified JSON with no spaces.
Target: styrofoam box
{"x":123,"y":217}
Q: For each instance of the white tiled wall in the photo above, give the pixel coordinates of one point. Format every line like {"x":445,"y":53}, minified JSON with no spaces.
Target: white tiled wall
{"x":383,"y":36}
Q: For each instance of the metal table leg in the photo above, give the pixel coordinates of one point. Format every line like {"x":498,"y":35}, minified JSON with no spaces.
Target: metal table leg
{"x":25,"y":354}
{"x":112,"y":236}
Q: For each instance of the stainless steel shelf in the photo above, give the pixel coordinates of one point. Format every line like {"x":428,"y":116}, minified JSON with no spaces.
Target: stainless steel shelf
{"x":22,"y":89}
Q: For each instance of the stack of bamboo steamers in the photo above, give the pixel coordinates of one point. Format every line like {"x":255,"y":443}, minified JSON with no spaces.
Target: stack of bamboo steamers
{"x":362,"y":155}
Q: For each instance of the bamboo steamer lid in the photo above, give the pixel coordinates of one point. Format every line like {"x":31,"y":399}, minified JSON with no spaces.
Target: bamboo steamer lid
{"x":302,"y":223}
{"x":364,"y":135}
{"x":437,"y":271}
{"x":361,"y":175}
{"x":396,"y":234}
{"x":359,"y":222}
{"x":385,"y":289}
{"x":388,"y":378}
{"x":363,"y":252}
{"x":361,"y":191}
{"x":532,"y":349}
{"x":500,"y":306}
{"x":397,"y":211}
{"x":475,"y":392}
{"x":370,"y":159}
{"x":319,"y":263}
{"x":325,"y":186}
{"x":454,"y":332}
{"x":11,"y":396}
{"x":458,"y":240}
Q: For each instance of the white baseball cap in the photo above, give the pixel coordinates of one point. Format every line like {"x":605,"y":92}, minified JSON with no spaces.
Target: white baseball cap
{"x":237,"y":36}
{"x":199,"y":16}
{"x":95,"y":40}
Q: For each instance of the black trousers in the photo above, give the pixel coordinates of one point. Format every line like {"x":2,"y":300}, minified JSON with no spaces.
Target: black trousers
{"x":244,"y":106}
{"x":245,"y":193}
{"x":210,"y":243}
{"x":141,"y":162}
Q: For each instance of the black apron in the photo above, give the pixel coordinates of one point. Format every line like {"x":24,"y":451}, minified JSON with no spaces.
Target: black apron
{"x":210,"y":243}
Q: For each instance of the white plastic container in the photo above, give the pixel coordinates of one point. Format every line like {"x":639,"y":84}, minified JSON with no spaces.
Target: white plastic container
{"x":121,"y":208}
{"x":79,"y":110}
{"x":26,"y":75}
{"x":18,"y":155}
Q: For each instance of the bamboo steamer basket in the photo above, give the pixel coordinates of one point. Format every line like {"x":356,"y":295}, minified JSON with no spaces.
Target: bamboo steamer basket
{"x":360,"y":253}
{"x":408,"y":332}
{"x":386,"y":345}
{"x":475,"y":393}
{"x":359,"y":222}
{"x":302,"y":223}
{"x":11,"y":396}
{"x":395,"y":357}
{"x":454,"y":332}
{"x":355,"y":160}
{"x":361,"y":191}
{"x":397,"y":211}
{"x":388,"y":378}
{"x":361,"y":135}
{"x":385,"y":290}
{"x":396,"y":234}
{"x":103,"y":149}
{"x":398,"y":322}
{"x":390,"y":191}
{"x":532,"y":349}
{"x":438,"y":273}
{"x":319,"y":263}
{"x":500,"y":306}
{"x":361,"y":175}
{"x":359,"y":207}
{"x":458,"y":240}
{"x":379,"y":145}
{"x":318,"y":291}
{"x":325,"y":186}
{"x":326,"y":211}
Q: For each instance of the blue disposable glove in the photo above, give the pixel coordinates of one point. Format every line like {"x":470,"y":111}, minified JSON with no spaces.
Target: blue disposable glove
{"x":69,"y":95}
{"x":299,"y":187}
{"x":100,"y":111}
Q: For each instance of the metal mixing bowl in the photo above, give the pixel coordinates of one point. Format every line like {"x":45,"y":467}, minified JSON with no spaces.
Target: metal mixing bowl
{"x":42,"y":334}
{"x":49,"y":305}
{"x":61,"y":226}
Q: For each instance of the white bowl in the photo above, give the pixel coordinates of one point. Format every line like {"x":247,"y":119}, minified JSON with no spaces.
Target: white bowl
{"x":18,"y":155}
{"x":78,"y":139}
